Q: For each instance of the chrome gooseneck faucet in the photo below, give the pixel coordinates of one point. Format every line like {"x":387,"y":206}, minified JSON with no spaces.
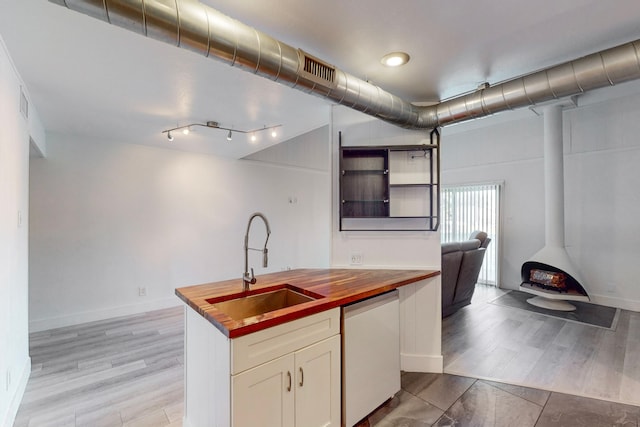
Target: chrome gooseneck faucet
{"x":249,"y":278}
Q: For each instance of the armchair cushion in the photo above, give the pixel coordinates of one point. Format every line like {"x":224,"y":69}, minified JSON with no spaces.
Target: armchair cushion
{"x":468,"y":274}
{"x":451,"y":261}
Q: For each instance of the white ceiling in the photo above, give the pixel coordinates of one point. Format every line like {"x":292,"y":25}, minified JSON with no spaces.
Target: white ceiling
{"x":89,"y":78}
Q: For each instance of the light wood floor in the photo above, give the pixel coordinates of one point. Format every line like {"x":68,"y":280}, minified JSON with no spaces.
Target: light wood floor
{"x":126,"y":371}
{"x":524,"y":348}
{"x":129,"y":371}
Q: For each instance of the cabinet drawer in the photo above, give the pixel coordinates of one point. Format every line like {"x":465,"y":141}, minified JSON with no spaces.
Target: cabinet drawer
{"x":259,"y":347}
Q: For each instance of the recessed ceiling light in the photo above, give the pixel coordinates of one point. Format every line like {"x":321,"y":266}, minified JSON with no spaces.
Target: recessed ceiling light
{"x":395,"y":59}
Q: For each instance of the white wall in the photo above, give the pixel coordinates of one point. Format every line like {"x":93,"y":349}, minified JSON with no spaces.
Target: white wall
{"x":420,"y":303}
{"x":378,"y":248}
{"x":310,"y":150}
{"x":108,"y":218}
{"x":15,"y":134}
{"x":602,"y":206}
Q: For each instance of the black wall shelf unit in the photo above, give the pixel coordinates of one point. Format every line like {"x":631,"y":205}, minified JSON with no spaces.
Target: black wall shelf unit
{"x":390,"y":187}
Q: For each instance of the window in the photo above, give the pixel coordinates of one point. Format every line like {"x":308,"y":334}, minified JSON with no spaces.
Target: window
{"x":466,"y":208}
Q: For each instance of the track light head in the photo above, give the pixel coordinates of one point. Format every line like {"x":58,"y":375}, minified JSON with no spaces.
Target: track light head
{"x":169,"y":136}
{"x":229,"y":136}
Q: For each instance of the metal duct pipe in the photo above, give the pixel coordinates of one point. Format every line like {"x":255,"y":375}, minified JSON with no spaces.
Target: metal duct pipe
{"x":202,"y":29}
{"x":197,"y":27}
{"x":605,"y":68}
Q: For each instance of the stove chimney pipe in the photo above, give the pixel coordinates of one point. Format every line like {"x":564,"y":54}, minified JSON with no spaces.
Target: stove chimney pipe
{"x":553,"y":177}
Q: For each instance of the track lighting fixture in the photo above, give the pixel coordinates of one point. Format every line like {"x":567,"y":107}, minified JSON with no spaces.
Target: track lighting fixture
{"x":214,"y":125}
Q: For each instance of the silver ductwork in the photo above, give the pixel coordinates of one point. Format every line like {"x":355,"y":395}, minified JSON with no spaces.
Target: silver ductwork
{"x":197,"y":27}
{"x":605,"y":68}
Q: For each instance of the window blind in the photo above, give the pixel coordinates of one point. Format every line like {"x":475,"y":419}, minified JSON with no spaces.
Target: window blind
{"x":466,"y":208}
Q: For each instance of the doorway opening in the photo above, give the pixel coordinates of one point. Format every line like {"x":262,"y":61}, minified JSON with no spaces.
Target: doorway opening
{"x":466,"y":208}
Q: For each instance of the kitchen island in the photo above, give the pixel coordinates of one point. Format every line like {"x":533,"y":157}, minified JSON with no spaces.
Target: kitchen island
{"x":283,"y":367}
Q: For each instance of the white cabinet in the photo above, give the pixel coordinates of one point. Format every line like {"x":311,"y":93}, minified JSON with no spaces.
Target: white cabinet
{"x":317,"y":369}
{"x":286,"y":375}
{"x":264,"y":395}
{"x":299,"y":389}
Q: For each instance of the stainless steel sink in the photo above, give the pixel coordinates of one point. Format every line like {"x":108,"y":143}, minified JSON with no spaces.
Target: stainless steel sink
{"x":253,"y":305}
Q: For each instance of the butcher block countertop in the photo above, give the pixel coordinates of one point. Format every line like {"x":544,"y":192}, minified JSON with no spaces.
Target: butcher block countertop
{"x":331,"y":287}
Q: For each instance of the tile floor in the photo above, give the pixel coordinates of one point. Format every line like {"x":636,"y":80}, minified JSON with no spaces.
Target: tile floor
{"x":444,"y":400}
{"x":128,"y":371}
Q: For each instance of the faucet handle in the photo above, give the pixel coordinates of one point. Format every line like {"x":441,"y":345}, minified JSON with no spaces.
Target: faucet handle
{"x":253,"y":278}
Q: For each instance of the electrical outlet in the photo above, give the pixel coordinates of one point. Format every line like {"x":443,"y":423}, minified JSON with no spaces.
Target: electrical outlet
{"x":142,"y":291}
{"x":356,"y":258}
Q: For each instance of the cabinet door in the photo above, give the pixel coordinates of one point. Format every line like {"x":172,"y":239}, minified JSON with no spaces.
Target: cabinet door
{"x":264,"y":396}
{"x":318,"y":384}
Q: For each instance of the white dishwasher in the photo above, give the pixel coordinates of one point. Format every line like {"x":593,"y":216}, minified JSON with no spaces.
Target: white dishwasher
{"x":371,"y":355}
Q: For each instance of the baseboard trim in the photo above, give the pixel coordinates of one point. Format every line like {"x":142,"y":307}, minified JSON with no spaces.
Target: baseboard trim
{"x":38,"y":325}
{"x":421,"y":363}
{"x":16,"y":399}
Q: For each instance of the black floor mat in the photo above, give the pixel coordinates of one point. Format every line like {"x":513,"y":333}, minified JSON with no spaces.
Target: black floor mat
{"x":590,"y":314}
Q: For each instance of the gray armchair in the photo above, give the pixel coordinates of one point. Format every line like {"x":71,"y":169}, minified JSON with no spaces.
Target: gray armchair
{"x":461,"y":263}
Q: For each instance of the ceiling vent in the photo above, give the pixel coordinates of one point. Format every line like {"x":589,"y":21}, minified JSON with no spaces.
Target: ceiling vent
{"x":317,"y":71}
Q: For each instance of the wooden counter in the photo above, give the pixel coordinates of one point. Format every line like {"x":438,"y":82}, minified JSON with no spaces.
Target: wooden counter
{"x":333,"y":287}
